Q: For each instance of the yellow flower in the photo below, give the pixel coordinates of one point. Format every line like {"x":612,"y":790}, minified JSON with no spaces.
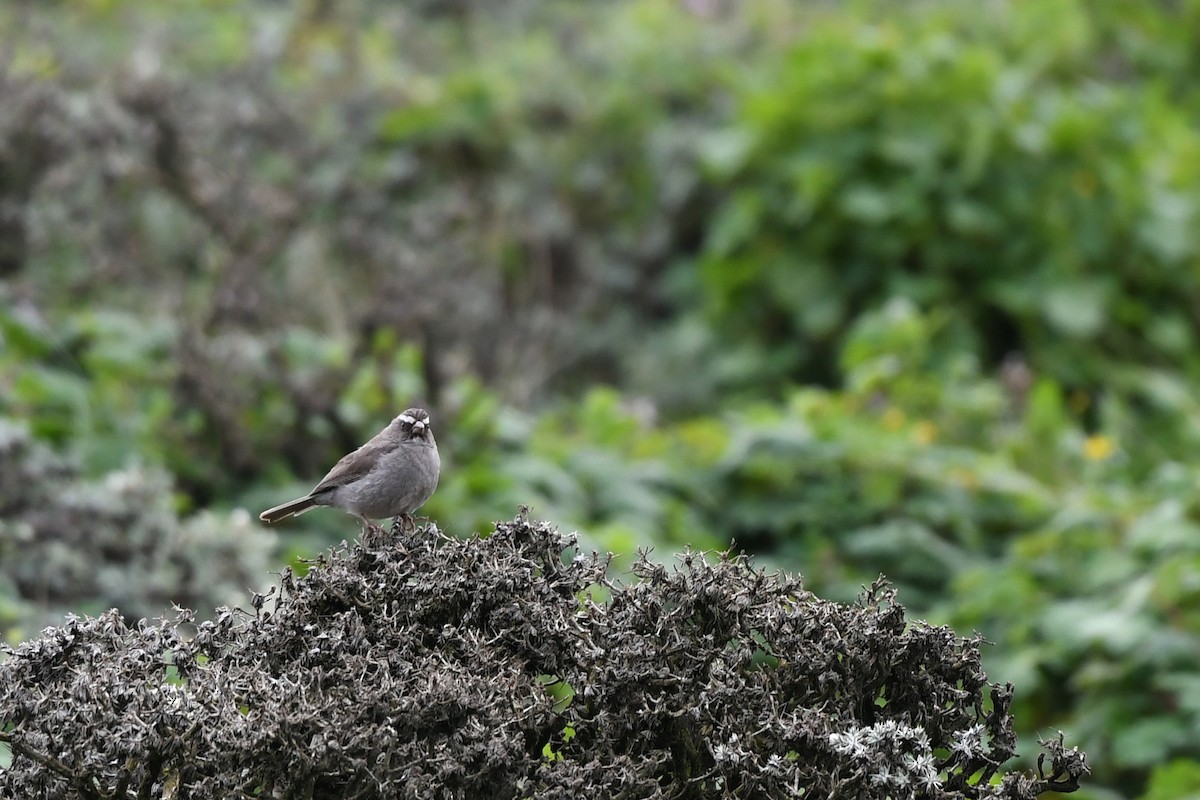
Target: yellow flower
{"x":925,"y":432}
{"x":893,"y":418}
{"x":1085,"y":182}
{"x":964,"y":478}
{"x":1098,"y":448}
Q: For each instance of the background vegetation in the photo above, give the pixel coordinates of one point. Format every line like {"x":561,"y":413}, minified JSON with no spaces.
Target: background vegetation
{"x":863,"y":287}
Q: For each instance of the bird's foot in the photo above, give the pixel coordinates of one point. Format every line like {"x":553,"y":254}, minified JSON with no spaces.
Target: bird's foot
{"x":401,"y":523}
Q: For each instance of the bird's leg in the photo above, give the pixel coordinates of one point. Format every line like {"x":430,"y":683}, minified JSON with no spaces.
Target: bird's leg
{"x":370,"y":526}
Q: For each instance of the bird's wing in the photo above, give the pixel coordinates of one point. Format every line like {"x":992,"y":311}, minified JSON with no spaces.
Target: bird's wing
{"x":354,"y":465}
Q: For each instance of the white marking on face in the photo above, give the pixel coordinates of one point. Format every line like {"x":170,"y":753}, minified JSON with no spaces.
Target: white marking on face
{"x":406,"y":418}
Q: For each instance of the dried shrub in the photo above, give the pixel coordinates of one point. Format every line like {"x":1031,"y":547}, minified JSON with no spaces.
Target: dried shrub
{"x":510,"y":666}
{"x":69,"y":542}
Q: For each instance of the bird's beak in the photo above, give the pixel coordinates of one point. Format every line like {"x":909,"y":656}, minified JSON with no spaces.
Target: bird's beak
{"x":418,"y":427}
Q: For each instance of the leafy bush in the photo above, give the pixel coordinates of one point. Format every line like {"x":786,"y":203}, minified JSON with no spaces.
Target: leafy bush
{"x":425,"y":666}
{"x":72,"y":544}
{"x":975,"y":169}
{"x":433,"y":228}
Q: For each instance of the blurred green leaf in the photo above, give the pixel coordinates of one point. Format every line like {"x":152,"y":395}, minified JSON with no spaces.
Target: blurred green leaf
{"x":1178,"y":779}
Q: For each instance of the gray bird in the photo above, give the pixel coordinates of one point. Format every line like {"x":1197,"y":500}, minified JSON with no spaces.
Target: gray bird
{"x":390,"y":476}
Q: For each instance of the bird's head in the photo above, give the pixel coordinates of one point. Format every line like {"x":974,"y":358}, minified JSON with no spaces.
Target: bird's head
{"x":414,"y":423}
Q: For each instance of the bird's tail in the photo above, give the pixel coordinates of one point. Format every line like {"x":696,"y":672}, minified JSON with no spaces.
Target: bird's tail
{"x":291,"y":508}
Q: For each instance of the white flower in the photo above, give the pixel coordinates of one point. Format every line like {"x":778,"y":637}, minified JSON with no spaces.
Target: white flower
{"x":969,"y":742}
{"x":849,"y":743}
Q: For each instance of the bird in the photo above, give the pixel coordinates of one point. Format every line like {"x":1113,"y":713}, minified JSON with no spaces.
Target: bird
{"x":392,"y":475}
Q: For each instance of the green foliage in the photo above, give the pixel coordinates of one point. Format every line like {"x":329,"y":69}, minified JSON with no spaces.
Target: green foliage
{"x":1179,"y":778}
{"x":971,"y":169}
{"x":101,"y":380}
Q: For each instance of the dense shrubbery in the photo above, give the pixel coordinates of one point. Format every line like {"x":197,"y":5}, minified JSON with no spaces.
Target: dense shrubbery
{"x":69,"y":544}
{"x":423,"y":666}
{"x":901,"y":289}
{"x":974,"y":174}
